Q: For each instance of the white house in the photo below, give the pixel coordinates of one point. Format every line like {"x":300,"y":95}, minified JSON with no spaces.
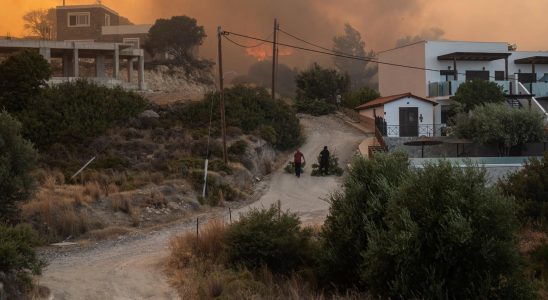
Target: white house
{"x":435,"y":69}
{"x":402,"y":115}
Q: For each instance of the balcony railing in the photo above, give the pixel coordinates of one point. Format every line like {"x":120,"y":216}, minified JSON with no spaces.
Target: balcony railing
{"x":449,"y":88}
{"x":409,"y":131}
{"x":539,"y":89}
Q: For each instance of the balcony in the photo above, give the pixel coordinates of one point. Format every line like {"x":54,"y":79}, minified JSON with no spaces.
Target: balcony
{"x":539,"y":89}
{"x":449,"y":88}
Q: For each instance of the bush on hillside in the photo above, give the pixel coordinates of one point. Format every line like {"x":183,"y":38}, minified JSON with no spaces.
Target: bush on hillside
{"x":17,"y":159}
{"x":317,"y":89}
{"x":501,"y":126}
{"x":247,"y":108}
{"x":529,"y":186}
{"x":21,"y":77}
{"x":445,"y":235}
{"x":269,"y":238}
{"x":344,"y":234}
{"x":74,"y":113}
{"x":18,"y":260}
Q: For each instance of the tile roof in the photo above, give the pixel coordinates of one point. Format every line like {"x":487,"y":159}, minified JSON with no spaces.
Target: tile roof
{"x":383,"y":100}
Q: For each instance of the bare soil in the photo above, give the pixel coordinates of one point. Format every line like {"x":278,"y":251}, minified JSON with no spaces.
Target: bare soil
{"x":131,"y":267}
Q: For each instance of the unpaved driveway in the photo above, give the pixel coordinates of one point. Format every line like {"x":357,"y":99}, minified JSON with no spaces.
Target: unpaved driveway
{"x":131,"y":268}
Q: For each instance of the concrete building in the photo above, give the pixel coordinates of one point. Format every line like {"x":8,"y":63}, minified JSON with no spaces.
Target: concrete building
{"x":98,"y":23}
{"x":71,"y":55}
{"x":434,"y":70}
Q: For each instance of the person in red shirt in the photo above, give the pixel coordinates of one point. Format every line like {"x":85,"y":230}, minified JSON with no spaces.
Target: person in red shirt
{"x":298,"y":160}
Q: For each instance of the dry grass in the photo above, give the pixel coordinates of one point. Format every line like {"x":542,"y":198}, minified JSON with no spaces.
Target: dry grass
{"x":93,"y":189}
{"x":156,"y":200}
{"x":207,"y":246}
{"x":120,"y":203}
{"x":104,"y":233}
{"x":59,"y":213}
{"x":196,"y":268}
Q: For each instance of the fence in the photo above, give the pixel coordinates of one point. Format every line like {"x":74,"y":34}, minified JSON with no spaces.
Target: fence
{"x":414,"y":130}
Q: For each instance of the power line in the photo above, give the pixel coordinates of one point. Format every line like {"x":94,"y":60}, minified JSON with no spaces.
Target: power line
{"x":331,"y":52}
{"x":254,"y":46}
{"x":349,"y":56}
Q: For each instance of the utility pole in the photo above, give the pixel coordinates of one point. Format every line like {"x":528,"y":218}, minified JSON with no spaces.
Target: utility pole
{"x":274,"y":59}
{"x":222,"y":92}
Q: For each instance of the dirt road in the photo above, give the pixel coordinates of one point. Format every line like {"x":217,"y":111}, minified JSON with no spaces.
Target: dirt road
{"x":130,"y":268}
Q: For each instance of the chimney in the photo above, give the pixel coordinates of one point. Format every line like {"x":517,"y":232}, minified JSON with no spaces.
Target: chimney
{"x":64,"y":3}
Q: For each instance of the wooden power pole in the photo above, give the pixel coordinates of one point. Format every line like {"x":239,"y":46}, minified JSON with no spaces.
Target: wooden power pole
{"x":222,"y":93}
{"x":274,"y":59}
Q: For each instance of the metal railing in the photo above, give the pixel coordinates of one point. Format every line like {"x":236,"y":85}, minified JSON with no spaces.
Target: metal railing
{"x":449,"y":88}
{"x":413,"y":130}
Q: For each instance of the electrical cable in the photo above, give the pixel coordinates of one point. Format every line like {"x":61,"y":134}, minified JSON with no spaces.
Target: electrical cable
{"x":331,"y":52}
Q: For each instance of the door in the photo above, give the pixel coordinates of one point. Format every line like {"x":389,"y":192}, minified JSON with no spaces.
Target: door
{"x":409,"y":121}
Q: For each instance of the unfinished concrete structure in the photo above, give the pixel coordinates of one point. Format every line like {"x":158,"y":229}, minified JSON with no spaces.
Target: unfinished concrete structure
{"x":71,"y":54}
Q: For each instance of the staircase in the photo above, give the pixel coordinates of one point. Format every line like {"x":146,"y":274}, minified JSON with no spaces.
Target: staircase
{"x":381,"y":144}
{"x":514,"y":103}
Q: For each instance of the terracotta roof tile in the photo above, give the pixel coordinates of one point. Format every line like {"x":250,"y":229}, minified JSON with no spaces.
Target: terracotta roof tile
{"x":383,"y":100}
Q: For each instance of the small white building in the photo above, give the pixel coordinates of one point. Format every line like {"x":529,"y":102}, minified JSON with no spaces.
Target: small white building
{"x":435,"y":69}
{"x":402,"y":115}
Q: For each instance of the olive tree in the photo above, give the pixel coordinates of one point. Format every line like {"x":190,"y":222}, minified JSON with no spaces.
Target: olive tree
{"x":501,"y":126}
{"x":477,"y":92}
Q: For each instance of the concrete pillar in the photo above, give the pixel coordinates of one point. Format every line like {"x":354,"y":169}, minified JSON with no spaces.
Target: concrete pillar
{"x":141,"y":72}
{"x":129,"y":69}
{"x":46,"y":53}
{"x":116,"y":63}
{"x":75,"y":63}
{"x":100,"y":66}
{"x":67,"y":65}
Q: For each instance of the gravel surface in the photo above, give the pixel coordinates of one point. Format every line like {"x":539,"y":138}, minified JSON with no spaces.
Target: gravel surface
{"x":131,"y":266}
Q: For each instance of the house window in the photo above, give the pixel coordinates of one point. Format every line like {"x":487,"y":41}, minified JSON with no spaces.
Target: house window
{"x":499,"y":75}
{"x":78,"y":19}
{"x":107,"y":20}
{"x":133,"y":41}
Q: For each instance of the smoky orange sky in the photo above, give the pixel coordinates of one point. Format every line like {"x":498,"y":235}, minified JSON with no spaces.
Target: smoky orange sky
{"x":381,"y":22}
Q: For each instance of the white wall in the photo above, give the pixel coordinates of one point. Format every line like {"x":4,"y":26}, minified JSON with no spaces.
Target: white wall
{"x":539,"y":69}
{"x":434,"y":49}
{"x":397,"y":80}
{"x":392,"y":110}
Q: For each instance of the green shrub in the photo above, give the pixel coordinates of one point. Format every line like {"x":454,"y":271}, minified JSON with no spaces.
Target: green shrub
{"x":74,"y":113}
{"x":333,"y":169}
{"x":315,"y":107}
{"x":217,"y":190}
{"x":322,"y":84}
{"x":269,"y":238}
{"x":17,"y":159}
{"x":476,"y":93}
{"x":18,"y":259}
{"x":238,"y":148}
{"x":344,"y":234}
{"x":445,"y":235}
{"x":246,"y":108}
{"x":530,"y":188}
{"x":501,"y":126}
{"x":269,"y":134}
{"x":21,"y":77}
{"x":361,"y":96}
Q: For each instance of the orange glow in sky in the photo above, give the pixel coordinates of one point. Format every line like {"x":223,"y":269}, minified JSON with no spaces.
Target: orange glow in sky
{"x":521,"y":22}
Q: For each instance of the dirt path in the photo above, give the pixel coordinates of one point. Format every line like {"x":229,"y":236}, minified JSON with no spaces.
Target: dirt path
{"x":130,"y":268}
